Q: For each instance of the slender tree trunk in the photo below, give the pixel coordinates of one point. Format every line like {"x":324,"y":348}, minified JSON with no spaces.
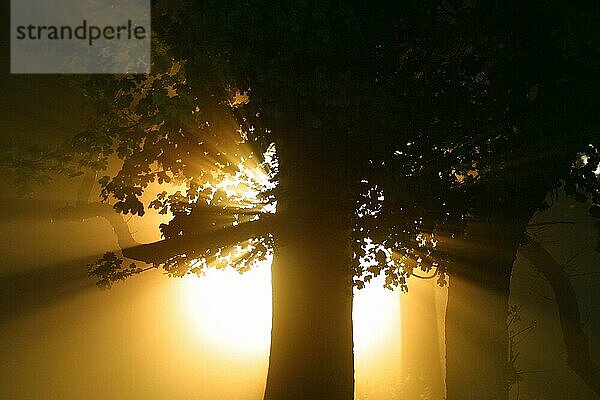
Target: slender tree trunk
{"x":575,"y":338}
{"x":422,"y":372}
{"x":477,"y":365}
{"x":311,"y":343}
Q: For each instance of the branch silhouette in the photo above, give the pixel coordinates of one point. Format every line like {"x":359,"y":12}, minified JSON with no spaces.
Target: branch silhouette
{"x":163,"y":250}
{"x":111,"y":268}
{"x":83,"y":211}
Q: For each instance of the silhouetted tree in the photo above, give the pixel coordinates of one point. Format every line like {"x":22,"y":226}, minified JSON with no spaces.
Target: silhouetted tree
{"x":513,"y":105}
{"x":576,"y":341}
{"x":395,"y":126}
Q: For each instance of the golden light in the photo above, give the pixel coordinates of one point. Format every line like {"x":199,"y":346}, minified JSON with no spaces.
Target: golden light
{"x":377,"y":341}
{"x":231,"y":310}
{"x":376,"y":317}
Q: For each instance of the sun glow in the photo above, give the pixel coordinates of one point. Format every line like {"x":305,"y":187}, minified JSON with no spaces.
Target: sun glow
{"x":230,"y":305}
{"x":231,"y":310}
{"x":376,"y":316}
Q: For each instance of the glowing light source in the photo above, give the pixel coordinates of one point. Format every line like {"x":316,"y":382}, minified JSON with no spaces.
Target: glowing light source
{"x":233,"y":310}
{"x":376,"y":317}
{"x":230,"y":309}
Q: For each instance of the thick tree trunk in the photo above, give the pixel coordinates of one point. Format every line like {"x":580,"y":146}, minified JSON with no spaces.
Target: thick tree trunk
{"x":311,"y":343}
{"x":477,"y":365}
{"x":311,"y":354}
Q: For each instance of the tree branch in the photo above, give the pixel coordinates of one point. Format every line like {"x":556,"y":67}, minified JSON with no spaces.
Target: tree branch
{"x":161,"y":251}
{"x":85,"y":189}
{"x":91,"y":210}
{"x":551,"y":223}
{"x":576,"y":341}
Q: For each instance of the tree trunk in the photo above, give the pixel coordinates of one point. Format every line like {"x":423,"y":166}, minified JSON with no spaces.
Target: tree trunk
{"x":477,"y":362}
{"x":576,"y":341}
{"x":311,"y":354}
{"x":311,"y":342}
{"x":422,"y":369}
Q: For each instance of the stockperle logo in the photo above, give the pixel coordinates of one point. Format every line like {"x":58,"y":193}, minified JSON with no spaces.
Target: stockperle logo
{"x":80,"y":36}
